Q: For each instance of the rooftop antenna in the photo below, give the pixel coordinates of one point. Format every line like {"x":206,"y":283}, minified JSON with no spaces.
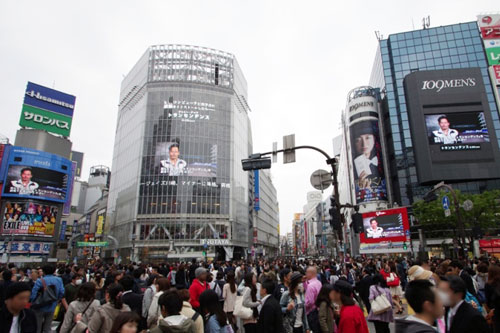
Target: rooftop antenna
{"x":378,"y":35}
{"x":426,"y":22}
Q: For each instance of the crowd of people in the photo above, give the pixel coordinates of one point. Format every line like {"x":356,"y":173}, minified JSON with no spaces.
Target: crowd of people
{"x":278,"y":296}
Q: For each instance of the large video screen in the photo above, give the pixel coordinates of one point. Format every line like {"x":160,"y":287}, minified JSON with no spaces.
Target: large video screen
{"x":369,"y":178}
{"x":33,"y":182}
{"x":171,"y":161}
{"x":457,"y":129}
{"x":385,"y":225}
{"x":29,"y":218}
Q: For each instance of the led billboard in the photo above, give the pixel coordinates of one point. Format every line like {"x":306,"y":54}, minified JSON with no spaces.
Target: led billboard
{"x":33,"y":174}
{"x":449,"y":108}
{"x":47,"y":109}
{"x":385,"y":225}
{"x":29,"y":219}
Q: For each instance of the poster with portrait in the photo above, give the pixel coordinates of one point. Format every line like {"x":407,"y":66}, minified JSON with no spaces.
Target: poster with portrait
{"x":29,"y":219}
{"x":368,"y":169}
{"x":390,"y":225}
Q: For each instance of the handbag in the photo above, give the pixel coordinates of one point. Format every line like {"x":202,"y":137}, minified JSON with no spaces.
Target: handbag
{"x":380,"y":304}
{"x":45,"y":297}
{"x":73,"y":328}
{"x":240,"y":311}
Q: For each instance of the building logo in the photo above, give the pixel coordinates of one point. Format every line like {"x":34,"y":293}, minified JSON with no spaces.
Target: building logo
{"x":486,"y":19}
{"x":37,"y":95}
{"x":356,"y":106}
{"x":439,"y":85}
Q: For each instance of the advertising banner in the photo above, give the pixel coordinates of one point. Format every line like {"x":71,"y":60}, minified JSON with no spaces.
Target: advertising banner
{"x":385,"y":225}
{"x":67,"y":204}
{"x":493,"y":55}
{"x":496,"y":74}
{"x":366,"y":150}
{"x":24,"y":247}
{"x":492,"y":32}
{"x":47,"y":109}
{"x":62,"y":234}
{"x":33,"y":174}
{"x":101,"y":216}
{"x":77,"y":157}
{"x":29,"y":219}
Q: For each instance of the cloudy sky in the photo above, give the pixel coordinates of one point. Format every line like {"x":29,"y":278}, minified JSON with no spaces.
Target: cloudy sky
{"x":300,"y":59}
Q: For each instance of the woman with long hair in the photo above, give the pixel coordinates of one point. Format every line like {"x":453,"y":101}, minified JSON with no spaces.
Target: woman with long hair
{"x":326,"y":311}
{"x":250,"y":301}
{"x":492,"y":293}
{"x":85,"y":304}
{"x":390,"y":275}
{"x":293,"y":306}
{"x":154,"y":313}
{"x":212,"y":310}
{"x":229,"y":295}
{"x":181,"y":277}
{"x":103,"y":318}
{"x":126,"y":322}
{"x":380,"y":321}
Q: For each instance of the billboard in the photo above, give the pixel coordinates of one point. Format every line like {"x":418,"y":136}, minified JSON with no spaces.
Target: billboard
{"x":77,"y":157}
{"x":450,"y":109}
{"x":368,"y":169}
{"x":385,"y":225}
{"x":33,"y":174}
{"x":47,"y":109}
{"x":25,"y":247}
{"x":28,"y":219}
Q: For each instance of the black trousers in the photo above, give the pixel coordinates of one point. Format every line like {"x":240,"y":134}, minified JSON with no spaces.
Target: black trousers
{"x":381,"y":326}
{"x":250,"y":328}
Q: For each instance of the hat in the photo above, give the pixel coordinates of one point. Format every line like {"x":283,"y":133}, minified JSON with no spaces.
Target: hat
{"x":361,"y":128}
{"x":416,"y":272}
{"x":343,"y":287}
{"x":16,"y":288}
{"x":199,"y":271}
{"x":296,"y":276}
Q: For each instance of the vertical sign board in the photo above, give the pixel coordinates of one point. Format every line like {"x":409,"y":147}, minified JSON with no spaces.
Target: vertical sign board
{"x":67,"y":204}
{"x":47,"y":109}
{"x":490,"y":32}
{"x":87,"y":223}
{"x":77,"y":157}
{"x":62,"y":234}
{"x":256,"y":203}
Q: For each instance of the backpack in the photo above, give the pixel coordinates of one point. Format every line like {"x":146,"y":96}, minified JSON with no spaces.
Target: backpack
{"x":218,"y":289}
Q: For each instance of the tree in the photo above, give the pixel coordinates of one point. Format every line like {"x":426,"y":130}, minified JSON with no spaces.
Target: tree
{"x":485,"y":214}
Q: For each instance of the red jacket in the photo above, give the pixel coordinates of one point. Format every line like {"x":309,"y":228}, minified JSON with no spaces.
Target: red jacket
{"x":195,"y":291}
{"x":352,"y":319}
{"x":393,"y":283}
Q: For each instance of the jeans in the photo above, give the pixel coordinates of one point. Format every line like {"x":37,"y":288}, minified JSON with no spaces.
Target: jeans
{"x":43,"y":321}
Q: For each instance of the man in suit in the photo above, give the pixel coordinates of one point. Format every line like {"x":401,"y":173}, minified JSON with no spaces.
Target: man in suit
{"x":270,"y":317}
{"x":460,"y":316}
{"x":363,"y":288}
{"x":132,"y":299}
{"x":457,"y":268}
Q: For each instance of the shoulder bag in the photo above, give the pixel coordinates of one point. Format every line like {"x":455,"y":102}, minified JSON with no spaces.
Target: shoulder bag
{"x":46,"y":296}
{"x":380,"y":304}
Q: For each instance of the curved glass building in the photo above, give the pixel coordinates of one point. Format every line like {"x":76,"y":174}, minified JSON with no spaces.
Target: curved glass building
{"x":177,"y":188}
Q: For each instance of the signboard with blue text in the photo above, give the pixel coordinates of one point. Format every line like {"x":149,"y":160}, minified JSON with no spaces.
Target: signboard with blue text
{"x":47,"y":109}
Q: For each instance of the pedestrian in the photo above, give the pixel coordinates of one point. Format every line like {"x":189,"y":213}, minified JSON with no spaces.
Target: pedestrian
{"x":45,"y":312}
{"x":270,"y":315}
{"x":173,"y":321}
{"x":102,"y":320}
{"x":84,"y":303}
{"x":293,"y":306}
{"x":393,"y":282}
{"x":14,"y":316}
{"x":126,"y":322}
{"x":148,"y":295}
{"x":312,"y":286}
{"x":285,"y":275}
{"x":424,"y":300}
{"x":131,"y":298}
{"x":154,"y":312}
{"x":5,"y":283}
{"x":181,"y":277}
{"x":187,"y":310}
{"x":492,"y":293}
{"x":198,"y":286}
{"x":229,"y":295}
{"x":363,"y":288}
{"x":326,"y":311}
{"x":380,"y":321}
{"x":250,"y":301}
{"x":352,"y":318}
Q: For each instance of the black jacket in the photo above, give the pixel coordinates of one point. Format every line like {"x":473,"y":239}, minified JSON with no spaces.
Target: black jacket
{"x":27,"y":321}
{"x":134,"y":301}
{"x":363,"y":287}
{"x":409,"y":326}
{"x":467,"y":319}
{"x":468,"y":281}
{"x":271,"y":317}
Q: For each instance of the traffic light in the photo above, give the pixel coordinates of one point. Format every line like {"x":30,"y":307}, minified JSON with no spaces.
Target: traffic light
{"x":256,"y":163}
{"x":357,"y":222}
{"x":334,"y":215}
{"x":431,"y":196}
{"x":405,"y":247}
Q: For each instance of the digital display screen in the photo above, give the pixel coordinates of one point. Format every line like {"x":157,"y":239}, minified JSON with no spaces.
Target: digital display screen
{"x":384,"y":226}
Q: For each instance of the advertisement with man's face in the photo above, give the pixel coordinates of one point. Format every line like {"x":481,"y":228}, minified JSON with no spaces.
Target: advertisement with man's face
{"x":171,"y":163}
{"x":369,"y":178}
{"x":385,"y":225}
{"x":34,"y":174}
{"x":457,"y":128}
{"x":29,"y":218}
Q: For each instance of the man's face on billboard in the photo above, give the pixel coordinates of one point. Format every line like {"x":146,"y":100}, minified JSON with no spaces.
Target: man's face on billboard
{"x":374,"y":224}
{"x":444,"y":124}
{"x":174,"y":153}
{"x":365,"y":144}
{"x":26,"y":176}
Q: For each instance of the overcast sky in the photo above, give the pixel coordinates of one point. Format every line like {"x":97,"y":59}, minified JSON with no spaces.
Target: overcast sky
{"x":300,"y":59}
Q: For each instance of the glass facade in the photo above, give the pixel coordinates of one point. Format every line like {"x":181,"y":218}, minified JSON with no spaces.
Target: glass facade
{"x":448,"y":47}
{"x":182,"y":131}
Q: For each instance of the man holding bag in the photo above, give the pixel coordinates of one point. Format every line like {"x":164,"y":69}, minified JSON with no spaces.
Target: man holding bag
{"x":47,"y":291}
{"x":380,"y":300}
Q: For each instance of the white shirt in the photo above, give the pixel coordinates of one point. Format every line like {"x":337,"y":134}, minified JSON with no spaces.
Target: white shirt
{"x":28,"y":189}
{"x":449,"y":138}
{"x":377,"y":233}
{"x":452,"y":313}
{"x":262,"y":302}
{"x":14,"y":328}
